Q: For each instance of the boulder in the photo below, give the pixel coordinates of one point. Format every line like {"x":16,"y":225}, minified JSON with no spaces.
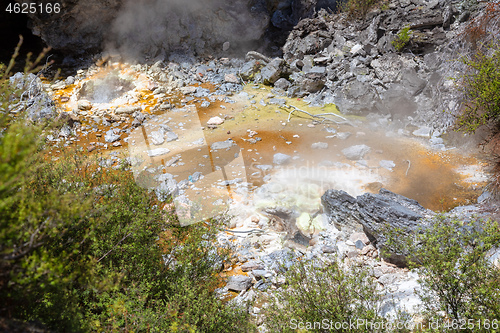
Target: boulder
{"x":127,"y":109}
{"x":111,"y":136}
{"x":273,"y":71}
{"x":215,"y":121}
{"x":376,"y":215}
{"x":282,"y":84}
{"x":239,"y":283}
{"x":319,"y":145}
{"x":249,"y":69}
{"x":157,"y":137}
{"x":310,"y":82}
{"x":356,"y":97}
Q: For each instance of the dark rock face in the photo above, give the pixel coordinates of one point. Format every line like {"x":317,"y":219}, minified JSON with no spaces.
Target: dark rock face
{"x":376,"y":214}
{"x":80,"y":25}
{"x":156,"y":27}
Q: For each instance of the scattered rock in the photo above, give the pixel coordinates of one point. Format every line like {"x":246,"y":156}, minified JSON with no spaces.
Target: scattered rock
{"x":359,"y":244}
{"x":157,"y":137}
{"x":111,"y":136}
{"x":261,"y":273}
{"x":251,"y":265}
{"x":281,"y":159}
{"x":387,"y":164}
{"x":272,"y":71}
{"x":84,"y":105}
{"x":319,"y":145}
{"x":231,"y":78}
{"x":424,"y":132}
{"x":171,"y":136}
{"x":329,"y":249}
{"x":127,"y":109}
{"x":158,"y":152}
{"x":215,"y":121}
{"x":355,"y":153}
{"x":239,"y":283}
{"x":188,"y":90}
{"x":222,"y":144}
{"x":359,"y":236}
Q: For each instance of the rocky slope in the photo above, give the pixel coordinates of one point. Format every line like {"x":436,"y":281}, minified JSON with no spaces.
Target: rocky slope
{"x":354,"y":64}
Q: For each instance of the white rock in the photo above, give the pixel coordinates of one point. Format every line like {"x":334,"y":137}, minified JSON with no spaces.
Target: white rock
{"x":424,"y":132}
{"x":157,"y":137}
{"x":158,"y":152}
{"x":84,"y":105}
{"x":356,"y":48}
{"x":319,"y":145}
{"x":215,"y":121}
{"x":387,"y":164}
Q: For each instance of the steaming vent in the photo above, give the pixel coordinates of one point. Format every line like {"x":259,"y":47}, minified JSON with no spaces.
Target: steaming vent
{"x":106,"y":89}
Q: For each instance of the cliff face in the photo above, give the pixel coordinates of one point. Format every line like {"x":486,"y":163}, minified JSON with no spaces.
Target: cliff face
{"x":80,"y":25}
{"x":156,"y":27}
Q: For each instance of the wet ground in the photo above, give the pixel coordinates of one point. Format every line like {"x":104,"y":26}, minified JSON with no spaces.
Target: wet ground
{"x":261,"y":125}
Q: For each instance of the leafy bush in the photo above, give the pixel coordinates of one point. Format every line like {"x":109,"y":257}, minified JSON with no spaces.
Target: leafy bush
{"x":325,"y":295}
{"x":458,"y":281}
{"x":480,"y":85}
{"x":84,"y":248}
{"x":402,"y":39}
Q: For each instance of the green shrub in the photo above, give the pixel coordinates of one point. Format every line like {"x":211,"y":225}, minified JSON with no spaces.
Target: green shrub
{"x":84,"y":248}
{"x":402,"y":39}
{"x":480,"y":85}
{"x":458,"y":281}
{"x":314,"y":293}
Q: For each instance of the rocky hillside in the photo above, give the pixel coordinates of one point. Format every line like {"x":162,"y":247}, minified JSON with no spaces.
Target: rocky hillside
{"x":395,"y":61}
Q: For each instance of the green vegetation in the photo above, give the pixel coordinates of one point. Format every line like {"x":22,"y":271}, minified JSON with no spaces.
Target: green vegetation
{"x":480,"y":85}
{"x":314,"y":292}
{"x":402,"y":39}
{"x":458,"y":281}
{"x":83,"y":248}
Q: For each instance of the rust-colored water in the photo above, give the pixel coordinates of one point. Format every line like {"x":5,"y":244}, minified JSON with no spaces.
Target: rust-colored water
{"x":421,"y":174}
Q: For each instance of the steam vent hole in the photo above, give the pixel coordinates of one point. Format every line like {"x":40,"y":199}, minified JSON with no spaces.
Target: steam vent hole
{"x":106,"y":89}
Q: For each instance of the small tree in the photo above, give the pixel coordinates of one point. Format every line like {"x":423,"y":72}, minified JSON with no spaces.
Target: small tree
{"x":458,"y":281}
{"x":480,"y":85}
{"x":325,"y":295}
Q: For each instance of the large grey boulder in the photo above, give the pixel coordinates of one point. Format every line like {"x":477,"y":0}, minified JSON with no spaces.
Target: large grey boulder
{"x":273,"y":71}
{"x":377,"y":215}
{"x":239,"y":283}
{"x":356,"y":97}
{"x":310,"y":82}
{"x":342,"y":210}
{"x":249,"y":69}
